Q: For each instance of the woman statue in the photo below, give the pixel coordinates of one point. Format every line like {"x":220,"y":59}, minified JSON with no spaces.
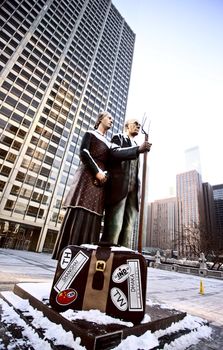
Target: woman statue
{"x":85,"y":200}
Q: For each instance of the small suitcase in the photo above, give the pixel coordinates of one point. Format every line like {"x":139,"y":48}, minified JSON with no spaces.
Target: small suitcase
{"x":111,"y":279}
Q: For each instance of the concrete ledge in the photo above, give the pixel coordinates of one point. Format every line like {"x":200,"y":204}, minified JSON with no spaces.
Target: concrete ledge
{"x":189,"y":270}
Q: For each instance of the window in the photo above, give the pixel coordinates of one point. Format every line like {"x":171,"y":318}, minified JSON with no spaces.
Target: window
{"x":3,"y":153}
{"x":32,"y":211}
{"x":15,"y":190}
{"x":2,"y":185}
{"x":6,"y":140}
{"x":5,"y":111}
{"x":5,"y":170}
{"x":9,"y":205}
{"x":11,"y":157}
{"x":16,"y":145}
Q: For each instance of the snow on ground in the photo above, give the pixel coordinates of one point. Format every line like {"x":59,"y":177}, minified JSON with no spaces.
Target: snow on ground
{"x":58,"y":335}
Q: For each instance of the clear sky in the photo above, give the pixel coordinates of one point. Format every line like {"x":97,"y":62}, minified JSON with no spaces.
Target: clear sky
{"x":177,"y":80}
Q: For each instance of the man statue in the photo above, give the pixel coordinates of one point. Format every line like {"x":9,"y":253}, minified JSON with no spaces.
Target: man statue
{"x":122,"y":197}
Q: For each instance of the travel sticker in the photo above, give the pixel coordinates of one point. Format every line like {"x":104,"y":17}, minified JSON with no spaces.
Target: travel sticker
{"x":135,"y":286}
{"x":65,"y":258}
{"x":66,"y":297}
{"x":119,"y":299}
{"x":121,"y":273}
{"x":71,"y":272}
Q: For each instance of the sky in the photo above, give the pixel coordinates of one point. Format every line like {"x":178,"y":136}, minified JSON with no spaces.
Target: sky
{"x":177,"y":81}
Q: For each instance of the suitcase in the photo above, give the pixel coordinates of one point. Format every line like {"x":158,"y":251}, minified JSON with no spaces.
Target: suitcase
{"x":111,"y":279}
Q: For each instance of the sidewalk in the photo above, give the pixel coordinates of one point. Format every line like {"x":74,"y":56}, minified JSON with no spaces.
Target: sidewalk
{"x":182,"y":291}
{"x":176,"y":290}
{"x":22,"y":266}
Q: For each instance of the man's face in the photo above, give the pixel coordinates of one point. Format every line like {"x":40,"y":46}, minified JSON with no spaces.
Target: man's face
{"x":133,"y":128}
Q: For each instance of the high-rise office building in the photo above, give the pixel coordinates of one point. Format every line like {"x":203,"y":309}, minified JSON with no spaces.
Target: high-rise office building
{"x":190,"y":206}
{"x":61,"y":62}
{"x":218,"y":206}
{"x":209,"y":209}
{"x":162,"y":224}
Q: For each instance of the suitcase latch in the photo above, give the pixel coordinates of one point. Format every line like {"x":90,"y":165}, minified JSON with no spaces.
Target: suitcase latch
{"x":100,"y":265}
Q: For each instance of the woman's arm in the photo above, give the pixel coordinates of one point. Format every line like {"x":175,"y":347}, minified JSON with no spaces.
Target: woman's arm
{"x":85,"y":155}
{"x":88,"y":160}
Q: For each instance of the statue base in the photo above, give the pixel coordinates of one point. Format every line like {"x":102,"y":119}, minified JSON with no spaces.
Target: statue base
{"x":96,"y":336}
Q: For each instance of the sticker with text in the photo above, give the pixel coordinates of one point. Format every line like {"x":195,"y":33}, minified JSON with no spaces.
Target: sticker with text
{"x":71,"y":272}
{"x":119,"y":299}
{"x":121,"y":273}
{"x":65,"y":258}
{"x":135,"y":286}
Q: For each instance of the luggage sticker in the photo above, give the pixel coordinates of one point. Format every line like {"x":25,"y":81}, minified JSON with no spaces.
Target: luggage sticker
{"x":71,"y":272}
{"x":121,"y":273}
{"x":119,"y":299}
{"x":135,"y":286}
{"x":67,"y":296}
{"x":65,"y":258}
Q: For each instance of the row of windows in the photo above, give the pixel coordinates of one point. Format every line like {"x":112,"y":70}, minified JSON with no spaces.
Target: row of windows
{"x":9,"y":156}
{"x":33,"y":181}
{"x":18,"y":118}
{"x":6,"y":140}
{"x":26,"y":193}
{"x":22,"y":208}
{"x":20,"y":83}
{"x":19,"y":107}
{"x":39,"y":156}
{"x":37,"y":168}
{"x":45,"y":145}
{"x":24,"y":10}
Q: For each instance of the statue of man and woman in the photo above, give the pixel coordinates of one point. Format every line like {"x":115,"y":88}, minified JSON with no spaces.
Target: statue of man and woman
{"x":106,"y":181}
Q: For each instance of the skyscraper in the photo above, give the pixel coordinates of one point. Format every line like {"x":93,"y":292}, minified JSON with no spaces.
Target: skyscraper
{"x":218,"y":206}
{"x":190,"y":206}
{"x":62,"y":62}
{"x":209,"y":208}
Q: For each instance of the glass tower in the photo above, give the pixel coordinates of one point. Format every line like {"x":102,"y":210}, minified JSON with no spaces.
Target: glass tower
{"x":61,"y":62}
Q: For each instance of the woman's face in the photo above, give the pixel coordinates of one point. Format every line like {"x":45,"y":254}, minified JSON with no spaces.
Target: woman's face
{"x":107,"y":121}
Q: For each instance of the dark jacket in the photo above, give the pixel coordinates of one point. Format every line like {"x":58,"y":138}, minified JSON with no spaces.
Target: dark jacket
{"x":121,"y":153}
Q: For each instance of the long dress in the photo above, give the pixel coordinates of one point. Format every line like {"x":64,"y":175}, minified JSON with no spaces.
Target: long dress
{"x":85,"y":200}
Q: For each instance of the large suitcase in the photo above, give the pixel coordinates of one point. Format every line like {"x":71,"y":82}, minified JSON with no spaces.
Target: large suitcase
{"x":108,"y":278}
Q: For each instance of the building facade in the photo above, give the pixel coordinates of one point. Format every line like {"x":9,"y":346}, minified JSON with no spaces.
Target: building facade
{"x":218,"y":207}
{"x":209,"y":208}
{"x":190,"y":201}
{"x":162,"y":224}
{"x":62,"y":62}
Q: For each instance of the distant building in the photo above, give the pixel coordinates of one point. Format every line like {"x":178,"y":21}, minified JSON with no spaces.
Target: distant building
{"x":218,"y":206}
{"x":61,"y":63}
{"x":162,"y":224}
{"x":196,"y":210}
{"x":190,"y":205}
{"x":209,"y":208}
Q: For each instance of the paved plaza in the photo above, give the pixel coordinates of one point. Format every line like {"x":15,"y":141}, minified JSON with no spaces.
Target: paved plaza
{"x":174,"y":289}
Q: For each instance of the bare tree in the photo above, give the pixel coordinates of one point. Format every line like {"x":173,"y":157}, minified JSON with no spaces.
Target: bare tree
{"x":195,"y":239}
